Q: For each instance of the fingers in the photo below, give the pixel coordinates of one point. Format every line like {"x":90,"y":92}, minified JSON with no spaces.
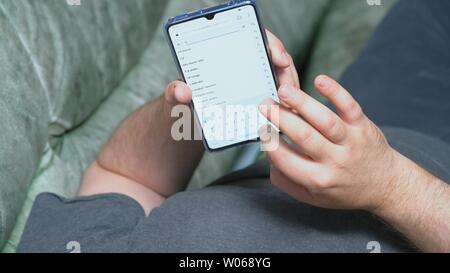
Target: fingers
{"x":285,"y":67}
{"x":177,"y":92}
{"x":315,"y":113}
{"x":288,"y":75}
{"x":300,"y":132}
{"x":295,"y":166}
{"x":347,"y":107}
{"x":280,"y":57}
{"x":295,"y":75}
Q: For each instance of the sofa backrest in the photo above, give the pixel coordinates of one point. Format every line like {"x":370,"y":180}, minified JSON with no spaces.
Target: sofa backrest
{"x":58,"y":62}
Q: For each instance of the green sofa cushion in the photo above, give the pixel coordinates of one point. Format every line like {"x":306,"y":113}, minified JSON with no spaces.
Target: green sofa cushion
{"x":24,"y":116}
{"x":60,"y":62}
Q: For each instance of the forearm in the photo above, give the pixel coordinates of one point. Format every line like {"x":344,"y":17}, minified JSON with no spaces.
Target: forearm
{"x":419,"y":208}
{"x":143,"y":150}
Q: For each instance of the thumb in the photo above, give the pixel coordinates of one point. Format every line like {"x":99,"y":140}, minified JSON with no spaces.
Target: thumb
{"x":177,"y":92}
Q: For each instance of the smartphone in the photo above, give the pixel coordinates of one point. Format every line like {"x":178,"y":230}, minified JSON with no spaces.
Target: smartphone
{"x":222,"y":54}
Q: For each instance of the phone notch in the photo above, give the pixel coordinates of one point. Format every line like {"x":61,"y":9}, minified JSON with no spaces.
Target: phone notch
{"x":210,"y":16}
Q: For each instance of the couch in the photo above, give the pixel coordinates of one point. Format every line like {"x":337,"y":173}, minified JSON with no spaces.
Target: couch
{"x":70,"y":73}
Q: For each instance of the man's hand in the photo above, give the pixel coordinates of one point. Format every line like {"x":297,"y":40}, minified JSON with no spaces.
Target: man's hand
{"x":343,"y":161}
{"x":283,"y":62}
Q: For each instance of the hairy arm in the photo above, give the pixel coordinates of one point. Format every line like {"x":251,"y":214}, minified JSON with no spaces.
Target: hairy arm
{"x":142,"y":159}
{"x":419,"y":207}
{"x":144,"y":150}
{"x":343,"y":161}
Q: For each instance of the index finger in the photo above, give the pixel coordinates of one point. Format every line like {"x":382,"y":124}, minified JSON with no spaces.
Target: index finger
{"x":284,"y":64}
{"x":280,"y":57}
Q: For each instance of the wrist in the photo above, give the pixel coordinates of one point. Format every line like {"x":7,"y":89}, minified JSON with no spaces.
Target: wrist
{"x":405,"y":190}
{"x":416,"y":206}
{"x":396,"y":186}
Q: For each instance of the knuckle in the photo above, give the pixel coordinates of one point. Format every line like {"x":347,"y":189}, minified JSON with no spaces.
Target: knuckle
{"x":291,"y":60}
{"x":366,"y":132}
{"x":300,"y":101}
{"x":336,"y":132}
{"x":333,"y":90}
{"x":330,"y":124}
{"x":322,"y":183}
{"x":302,"y":135}
{"x":350,"y":106}
{"x":342,"y":159}
{"x":354,"y":110}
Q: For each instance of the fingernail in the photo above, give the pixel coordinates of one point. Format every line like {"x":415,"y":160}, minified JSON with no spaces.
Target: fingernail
{"x":286,"y":92}
{"x":177,"y":91}
{"x":324,"y":81}
{"x":181,"y":93}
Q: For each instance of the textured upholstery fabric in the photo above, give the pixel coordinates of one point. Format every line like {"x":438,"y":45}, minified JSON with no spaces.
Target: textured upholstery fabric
{"x":341,"y":36}
{"x":59,"y":62}
{"x":70,"y":74}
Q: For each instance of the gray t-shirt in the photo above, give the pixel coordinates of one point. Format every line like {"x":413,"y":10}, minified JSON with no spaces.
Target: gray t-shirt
{"x":240,"y":213}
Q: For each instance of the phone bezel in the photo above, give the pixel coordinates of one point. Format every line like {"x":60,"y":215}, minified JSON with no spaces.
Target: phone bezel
{"x":208,"y":12}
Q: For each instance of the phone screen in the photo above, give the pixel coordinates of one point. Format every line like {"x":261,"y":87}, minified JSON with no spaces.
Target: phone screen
{"x":225,"y":62}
